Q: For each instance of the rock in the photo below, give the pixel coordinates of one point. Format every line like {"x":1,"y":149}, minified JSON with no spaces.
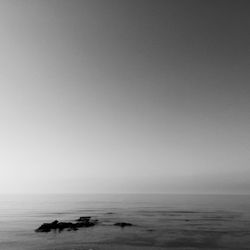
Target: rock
{"x":66,"y":225}
{"x":123,"y":224}
{"x":85,"y":224}
{"x":84,"y":218}
{"x":60,"y":226}
{"x":54,"y":223}
{"x":47,"y":227}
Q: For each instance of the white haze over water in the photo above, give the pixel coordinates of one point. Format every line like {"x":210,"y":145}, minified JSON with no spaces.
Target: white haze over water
{"x":124,"y":96}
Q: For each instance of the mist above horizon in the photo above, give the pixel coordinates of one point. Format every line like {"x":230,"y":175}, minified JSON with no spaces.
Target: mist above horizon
{"x":124,"y":96}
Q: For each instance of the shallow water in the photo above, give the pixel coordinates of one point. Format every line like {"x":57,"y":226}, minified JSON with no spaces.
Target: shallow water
{"x":161,"y":221}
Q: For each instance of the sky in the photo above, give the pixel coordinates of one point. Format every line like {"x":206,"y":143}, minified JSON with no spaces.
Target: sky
{"x":127,"y":96}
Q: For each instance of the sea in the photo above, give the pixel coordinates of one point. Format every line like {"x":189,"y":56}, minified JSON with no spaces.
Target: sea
{"x":160,"y":221}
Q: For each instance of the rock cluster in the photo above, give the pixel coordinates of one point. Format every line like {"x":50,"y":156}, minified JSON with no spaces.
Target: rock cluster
{"x":84,"y":221}
{"x":56,"y":225}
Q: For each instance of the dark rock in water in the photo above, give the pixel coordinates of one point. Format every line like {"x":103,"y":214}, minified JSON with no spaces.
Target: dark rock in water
{"x":66,"y":225}
{"x":84,"y":218}
{"x":54,"y":223}
{"x":85,"y":224}
{"x":123,"y":224}
{"x":47,"y":227}
{"x":60,"y":226}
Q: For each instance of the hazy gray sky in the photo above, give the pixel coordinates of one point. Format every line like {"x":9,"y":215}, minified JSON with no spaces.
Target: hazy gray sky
{"x":124,"y":96}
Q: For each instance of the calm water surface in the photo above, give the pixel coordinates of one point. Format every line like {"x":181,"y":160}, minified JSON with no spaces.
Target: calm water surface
{"x":161,"y":221}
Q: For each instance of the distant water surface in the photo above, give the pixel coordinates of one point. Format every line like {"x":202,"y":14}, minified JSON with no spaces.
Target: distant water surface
{"x":161,"y":221}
